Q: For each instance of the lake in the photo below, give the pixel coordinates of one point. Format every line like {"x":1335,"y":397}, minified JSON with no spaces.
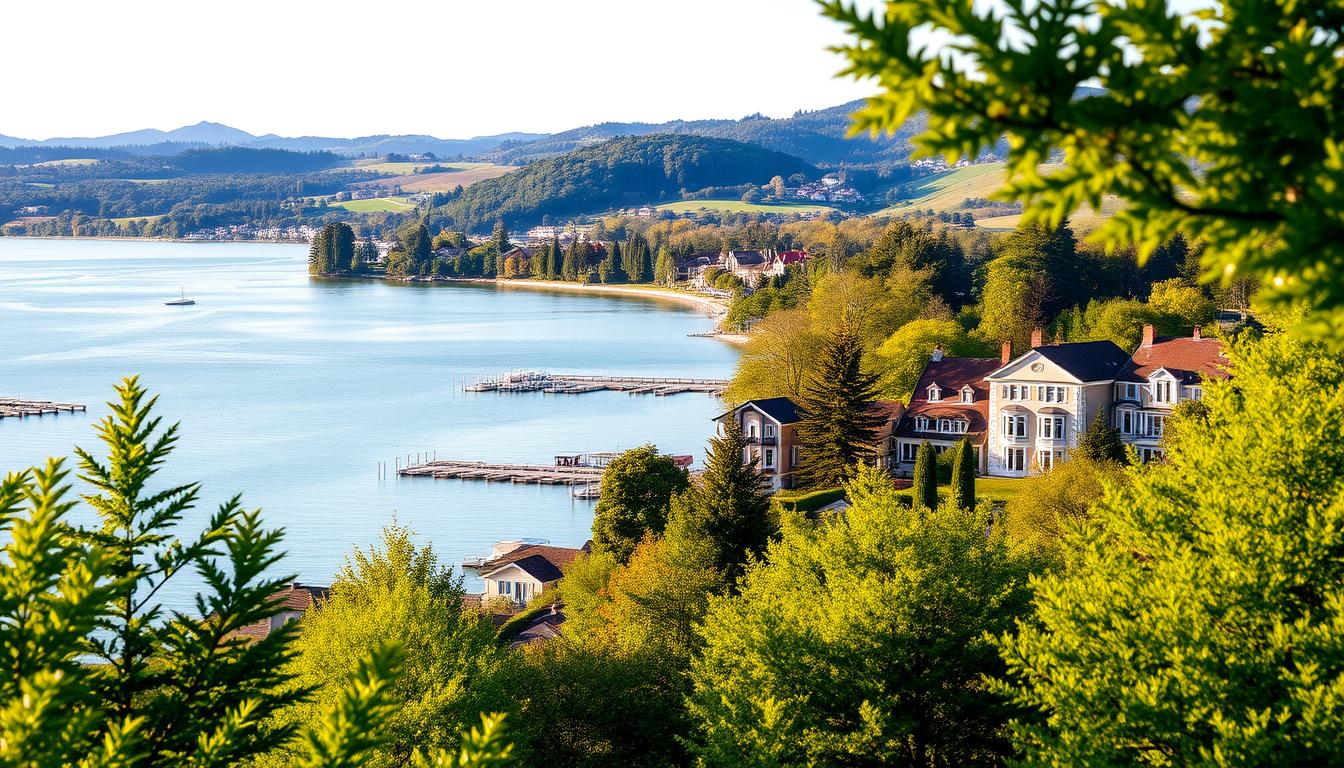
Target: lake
{"x":291,"y":390}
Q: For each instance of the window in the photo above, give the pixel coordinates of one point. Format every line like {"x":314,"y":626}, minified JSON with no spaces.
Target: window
{"x":944,"y":425}
{"x":935,"y":393}
{"x":1196,"y":393}
{"x":769,"y":458}
{"x":960,"y":426}
{"x":1050,"y":394}
{"x":1014,"y":426}
{"x":967,"y":395}
{"x":1050,"y":427}
{"x":921,"y":424}
{"x":1131,"y":392}
{"x":1150,"y":454}
{"x":908,"y":451}
{"x":1155,"y":424}
{"x":793,"y":456}
{"x":504,"y":588}
{"x":1124,"y":421}
{"x":1162,"y":391}
{"x":1015,"y":459}
{"x":769,"y":431}
{"x":1046,"y":460}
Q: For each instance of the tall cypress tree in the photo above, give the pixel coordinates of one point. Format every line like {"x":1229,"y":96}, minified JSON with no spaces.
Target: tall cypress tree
{"x":728,"y":506}
{"x":963,"y":476}
{"x":838,"y":428}
{"x":925,"y":490}
{"x":612,"y":271}
{"x":553,"y":259}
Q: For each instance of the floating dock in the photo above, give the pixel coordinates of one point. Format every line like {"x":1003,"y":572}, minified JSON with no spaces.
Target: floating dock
{"x":558,"y":384}
{"x":505,"y":473}
{"x":13,"y":407}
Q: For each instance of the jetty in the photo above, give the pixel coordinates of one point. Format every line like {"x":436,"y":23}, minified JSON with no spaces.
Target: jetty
{"x":13,"y":407}
{"x":562,"y":384}
{"x":542,"y":474}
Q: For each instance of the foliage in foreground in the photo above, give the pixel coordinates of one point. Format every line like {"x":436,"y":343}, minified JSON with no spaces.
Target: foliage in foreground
{"x":1200,"y":619}
{"x":862,"y":641}
{"x":1218,"y":120}
{"x":101,"y":675}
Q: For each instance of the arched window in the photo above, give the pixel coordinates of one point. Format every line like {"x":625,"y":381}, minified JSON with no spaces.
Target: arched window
{"x":935,"y":393}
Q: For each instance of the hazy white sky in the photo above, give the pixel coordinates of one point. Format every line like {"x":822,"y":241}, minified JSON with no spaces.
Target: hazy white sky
{"x":450,"y":68}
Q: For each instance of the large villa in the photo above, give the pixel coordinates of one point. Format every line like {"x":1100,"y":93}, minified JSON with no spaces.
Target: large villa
{"x":1022,"y":414}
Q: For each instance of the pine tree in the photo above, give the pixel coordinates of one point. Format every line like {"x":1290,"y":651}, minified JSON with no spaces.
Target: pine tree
{"x":1101,"y":441}
{"x":553,"y":259}
{"x":500,"y":236}
{"x":838,"y":427}
{"x":962,"y":490}
{"x":611,"y":270}
{"x":665,"y":270}
{"x":570,"y":269}
{"x":728,"y":505}
{"x":925,"y":489}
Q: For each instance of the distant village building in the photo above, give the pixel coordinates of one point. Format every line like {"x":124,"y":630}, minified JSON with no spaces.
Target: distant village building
{"x":950,"y":403}
{"x":525,"y":572}
{"x":295,"y":600}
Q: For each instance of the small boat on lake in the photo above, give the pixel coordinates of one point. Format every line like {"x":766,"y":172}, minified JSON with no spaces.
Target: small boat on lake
{"x":182,"y":301}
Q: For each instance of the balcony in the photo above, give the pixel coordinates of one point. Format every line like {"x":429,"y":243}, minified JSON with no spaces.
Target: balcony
{"x":759,"y":440}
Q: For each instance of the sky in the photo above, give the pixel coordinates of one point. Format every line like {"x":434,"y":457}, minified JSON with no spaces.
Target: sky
{"x":448,"y":68}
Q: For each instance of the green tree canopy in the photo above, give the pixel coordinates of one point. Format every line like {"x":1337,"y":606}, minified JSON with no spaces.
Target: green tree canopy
{"x":1218,"y":120}
{"x":862,"y":642}
{"x":904,"y":355}
{"x":637,"y":488}
{"x":1198,"y":620}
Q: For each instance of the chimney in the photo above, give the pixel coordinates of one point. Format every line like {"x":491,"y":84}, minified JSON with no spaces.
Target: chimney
{"x":1007,"y":353}
{"x":1147,"y":336}
{"x":1198,"y":334}
{"x":938,"y":353}
{"x":1036,"y":338}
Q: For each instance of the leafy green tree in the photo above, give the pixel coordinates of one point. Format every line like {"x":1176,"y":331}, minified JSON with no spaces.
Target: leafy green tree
{"x":1216,"y":121}
{"x":924,"y":490}
{"x":1178,"y":299}
{"x":1049,"y":505}
{"x":838,"y":427}
{"x":903,"y":356}
{"x":1197,"y":621}
{"x":863,"y":642}
{"x":961,"y":494}
{"x":398,"y":592}
{"x":728,"y":505}
{"x":332,"y":250}
{"x":1101,"y":441}
{"x":553,"y":260}
{"x":637,"y":488}
{"x":415,"y":242}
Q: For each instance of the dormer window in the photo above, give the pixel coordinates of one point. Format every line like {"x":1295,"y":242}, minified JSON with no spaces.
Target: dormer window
{"x":921,"y":424}
{"x":935,"y":393}
{"x":967,"y":395}
{"x":1161,"y":391}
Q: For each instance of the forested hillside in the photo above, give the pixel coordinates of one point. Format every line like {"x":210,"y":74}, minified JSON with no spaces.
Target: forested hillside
{"x":817,"y":137}
{"x":618,"y":173}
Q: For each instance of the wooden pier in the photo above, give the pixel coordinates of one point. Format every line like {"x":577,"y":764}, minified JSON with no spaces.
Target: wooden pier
{"x":559,"y":384}
{"x":505,"y":473}
{"x":13,"y":407}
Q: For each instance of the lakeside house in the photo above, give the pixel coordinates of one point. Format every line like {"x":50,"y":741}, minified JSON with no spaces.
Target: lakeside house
{"x":1025,"y":414}
{"x":770,"y":428}
{"x":524,"y":572}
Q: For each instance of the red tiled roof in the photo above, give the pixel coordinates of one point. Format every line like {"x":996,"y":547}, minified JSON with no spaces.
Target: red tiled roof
{"x":792,"y":257}
{"x":952,"y":374}
{"x":1190,"y":359}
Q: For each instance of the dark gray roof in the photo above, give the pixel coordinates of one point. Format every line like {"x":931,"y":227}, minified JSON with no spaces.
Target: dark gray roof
{"x":748,"y":258}
{"x":781,"y":409}
{"x":1087,"y":360}
{"x":539,"y":568}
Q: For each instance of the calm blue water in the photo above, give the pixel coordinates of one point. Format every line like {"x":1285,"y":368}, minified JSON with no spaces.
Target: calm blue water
{"x":291,"y":390}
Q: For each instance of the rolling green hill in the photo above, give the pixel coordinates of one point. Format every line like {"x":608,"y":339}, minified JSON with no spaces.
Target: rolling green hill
{"x":619,"y":173}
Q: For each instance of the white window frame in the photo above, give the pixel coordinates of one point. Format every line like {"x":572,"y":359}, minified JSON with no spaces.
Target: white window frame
{"x":908,"y":451}
{"x":1014,"y":426}
{"x":769,"y":462}
{"x":1162,"y":391}
{"x":1018,"y":452}
{"x":935,"y":393}
{"x":1125,"y":419}
{"x":967,"y":395}
{"x":1050,"y":427}
{"x":921,"y":423}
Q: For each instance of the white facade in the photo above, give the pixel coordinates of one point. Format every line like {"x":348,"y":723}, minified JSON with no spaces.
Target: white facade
{"x":513,"y":583}
{"x":1037,"y":413}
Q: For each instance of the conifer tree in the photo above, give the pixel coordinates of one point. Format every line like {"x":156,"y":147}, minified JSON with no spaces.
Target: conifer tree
{"x":728,"y":505}
{"x":1101,"y":441}
{"x":499,"y":237}
{"x":570,"y":268}
{"x":924,"y":492}
{"x":665,"y":270}
{"x":611,"y":270}
{"x":838,"y":427}
{"x":962,"y":490}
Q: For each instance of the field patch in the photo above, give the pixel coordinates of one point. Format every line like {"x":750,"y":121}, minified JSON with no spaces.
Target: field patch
{"x":445,"y":181}
{"x":406,"y":169}
{"x":737,"y":206}
{"x":395,"y":204}
{"x":946,"y":190}
{"x":67,"y":161}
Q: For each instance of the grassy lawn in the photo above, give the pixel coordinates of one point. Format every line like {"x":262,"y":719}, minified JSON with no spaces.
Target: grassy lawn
{"x":1083,"y":221}
{"x":944,"y":191}
{"x":737,"y":206}
{"x":376,"y":205}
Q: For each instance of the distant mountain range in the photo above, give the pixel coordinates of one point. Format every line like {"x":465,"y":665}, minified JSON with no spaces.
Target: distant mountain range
{"x":819,"y":137}
{"x":208,"y":134}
